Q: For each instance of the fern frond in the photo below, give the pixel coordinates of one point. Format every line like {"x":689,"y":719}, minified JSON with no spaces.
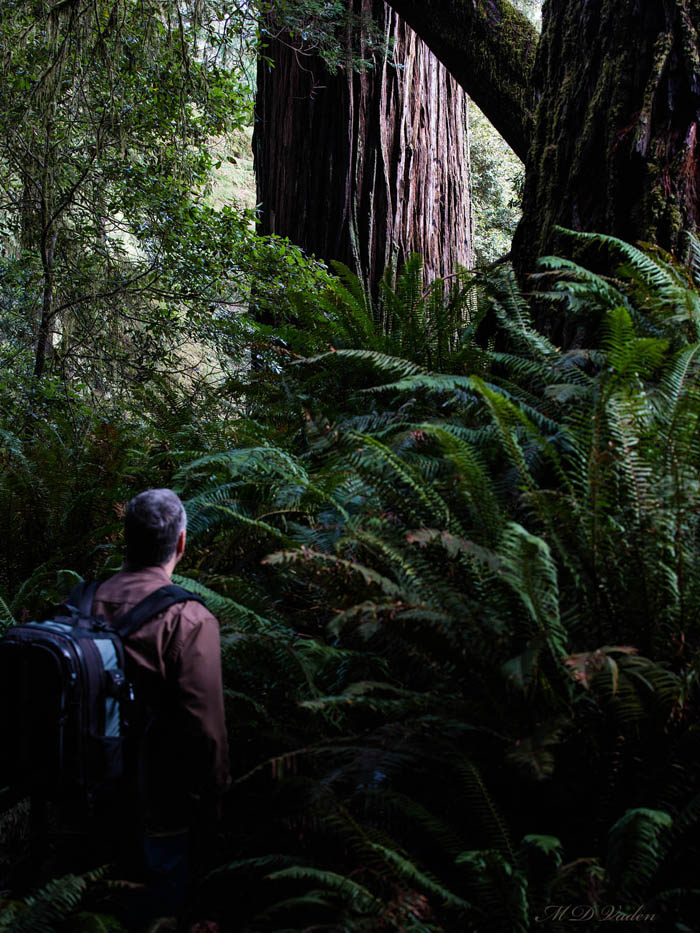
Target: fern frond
{"x":637,"y":259}
{"x":635,"y":851}
{"x":352,"y":307}
{"x":506,"y":417}
{"x":228,"y":611}
{"x":407,"y":870}
{"x":674,"y":385}
{"x":424,"y":494}
{"x":50,"y":907}
{"x":306,"y":556}
{"x":627,"y":353}
{"x":694,"y":258}
{"x":483,"y":808}
{"x":259,"y":862}
{"x":352,"y":892}
{"x":6,"y":617}
{"x":432,"y":382}
{"x":397,"y":366}
{"x":267,"y":460}
{"x":527,"y":567}
{"x":432,"y":826}
{"x":499,"y":890}
{"x":578,"y":287}
{"x":533,"y":753}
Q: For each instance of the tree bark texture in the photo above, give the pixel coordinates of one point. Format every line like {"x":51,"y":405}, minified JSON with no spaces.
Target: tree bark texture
{"x":615,"y":136}
{"x":489,"y":47}
{"x":365,"y":168}
{"x":606,"y":119}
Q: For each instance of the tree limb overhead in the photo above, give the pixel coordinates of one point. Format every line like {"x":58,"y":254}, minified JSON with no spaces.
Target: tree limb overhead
{"x":489,"y":47}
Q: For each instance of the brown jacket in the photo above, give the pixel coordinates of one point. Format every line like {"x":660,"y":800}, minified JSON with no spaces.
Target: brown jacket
{"x":174,"y":660}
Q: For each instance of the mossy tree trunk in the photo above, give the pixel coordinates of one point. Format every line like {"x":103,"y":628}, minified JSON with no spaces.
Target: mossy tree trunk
{"x":614,"y":145}
{"x":604,"y":114}
{"x":365,"y":168}
{"x":603,"y":110}
{"x":489,"y":47}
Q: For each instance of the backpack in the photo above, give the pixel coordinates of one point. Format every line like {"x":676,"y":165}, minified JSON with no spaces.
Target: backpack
{"x":65,"y":699}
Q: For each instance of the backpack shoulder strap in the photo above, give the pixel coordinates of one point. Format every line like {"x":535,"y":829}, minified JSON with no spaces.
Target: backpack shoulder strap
{"x":158,"y":601}
{"x":82,"y":596}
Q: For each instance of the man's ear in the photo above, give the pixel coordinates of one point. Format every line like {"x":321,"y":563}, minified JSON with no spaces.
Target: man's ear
{"x":180,"y":546}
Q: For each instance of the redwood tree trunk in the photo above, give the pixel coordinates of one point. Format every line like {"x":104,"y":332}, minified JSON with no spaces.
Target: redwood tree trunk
{"x":366,"y":168}
{"x":489,"y":47}
{"x":614,"y":147}
{"x":605,"y":120}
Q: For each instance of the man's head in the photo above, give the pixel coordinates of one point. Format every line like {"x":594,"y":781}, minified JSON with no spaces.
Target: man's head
{"x":154,"y":528}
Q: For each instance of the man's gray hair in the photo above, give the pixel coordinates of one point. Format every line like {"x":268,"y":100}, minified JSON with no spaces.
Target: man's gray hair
{"x":152,"y":525}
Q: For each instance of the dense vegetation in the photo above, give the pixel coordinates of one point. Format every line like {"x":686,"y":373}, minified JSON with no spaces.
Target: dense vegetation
{"x":456,"y":566}
{"x":458,"y":589}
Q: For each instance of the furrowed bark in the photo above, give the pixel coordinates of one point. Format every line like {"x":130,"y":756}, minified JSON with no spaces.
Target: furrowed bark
{"x":489,"y":48}
{"x":615,"y":142}
{"x":366,"y":168}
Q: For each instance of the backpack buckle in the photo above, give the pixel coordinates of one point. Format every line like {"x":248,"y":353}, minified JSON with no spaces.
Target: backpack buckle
{"x":117,"y":685}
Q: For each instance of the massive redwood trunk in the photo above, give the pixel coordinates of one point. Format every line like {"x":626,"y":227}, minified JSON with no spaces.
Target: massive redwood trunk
{"x":606,"y":121}
{"x":605,"y":115}
{"x":614,"y":146}
{"x":366,"y":167}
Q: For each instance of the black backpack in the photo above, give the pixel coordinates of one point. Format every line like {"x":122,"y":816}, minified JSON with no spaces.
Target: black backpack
{"x":65,"y":698}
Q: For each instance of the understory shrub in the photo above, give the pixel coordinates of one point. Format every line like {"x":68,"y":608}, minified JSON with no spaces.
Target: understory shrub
{"x":458,"y":584}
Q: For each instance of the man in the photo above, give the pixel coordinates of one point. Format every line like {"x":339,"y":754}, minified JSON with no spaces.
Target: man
{"x":178,"y":764}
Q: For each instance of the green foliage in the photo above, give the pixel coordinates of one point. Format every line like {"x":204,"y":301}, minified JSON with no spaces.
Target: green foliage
{"x":116,"y":270}
{"x":533,"y":510}
{"x":458,"y":605}
{"x":342,"y":37}
{"x":635,"y":851}
{"x":497,"y":179}
{"x":53,"y":907}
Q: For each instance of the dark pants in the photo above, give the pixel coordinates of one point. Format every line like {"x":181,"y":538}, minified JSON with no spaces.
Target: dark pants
{"x":68,"y":839}
{"x":164,"y":870}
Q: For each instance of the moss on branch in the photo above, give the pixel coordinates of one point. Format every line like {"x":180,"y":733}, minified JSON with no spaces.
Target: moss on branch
{"x":489,"y":47}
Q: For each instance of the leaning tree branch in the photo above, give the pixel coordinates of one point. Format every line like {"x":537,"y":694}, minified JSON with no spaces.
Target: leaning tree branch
{"x":489,"y":47}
